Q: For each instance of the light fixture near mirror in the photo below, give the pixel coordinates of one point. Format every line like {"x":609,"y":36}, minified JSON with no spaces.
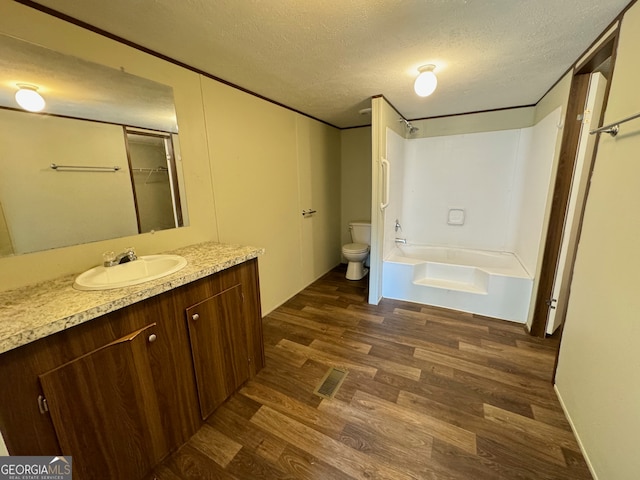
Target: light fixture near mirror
{"x":28,"y":98}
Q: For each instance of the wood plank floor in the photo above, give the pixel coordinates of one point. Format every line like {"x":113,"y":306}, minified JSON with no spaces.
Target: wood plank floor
{"x":430,"y":394}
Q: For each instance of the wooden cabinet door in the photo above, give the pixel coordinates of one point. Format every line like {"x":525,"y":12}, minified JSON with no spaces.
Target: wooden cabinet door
{"x":217,"y":330}
{"x":104,"y":409}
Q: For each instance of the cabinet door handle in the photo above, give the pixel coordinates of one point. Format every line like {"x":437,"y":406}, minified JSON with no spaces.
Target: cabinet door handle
{"x":42,"y":404}
{"x":130,"y":337}
{"x":152,"y":338}
{"x":195,"y":316}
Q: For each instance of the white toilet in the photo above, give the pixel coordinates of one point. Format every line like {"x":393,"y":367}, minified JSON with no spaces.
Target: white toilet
{"x":358,"y":251}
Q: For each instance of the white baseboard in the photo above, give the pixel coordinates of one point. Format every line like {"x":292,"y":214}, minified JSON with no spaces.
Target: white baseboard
{"x":575,"y":433}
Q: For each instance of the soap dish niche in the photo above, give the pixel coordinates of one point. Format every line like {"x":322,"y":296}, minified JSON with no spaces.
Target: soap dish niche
{"x":456,"y":216}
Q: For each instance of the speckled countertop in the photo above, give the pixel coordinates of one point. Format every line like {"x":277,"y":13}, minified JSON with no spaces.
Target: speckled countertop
{"x":36,"y":311}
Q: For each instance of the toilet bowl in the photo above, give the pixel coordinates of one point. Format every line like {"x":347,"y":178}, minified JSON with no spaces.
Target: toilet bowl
{"x":357,"y":252}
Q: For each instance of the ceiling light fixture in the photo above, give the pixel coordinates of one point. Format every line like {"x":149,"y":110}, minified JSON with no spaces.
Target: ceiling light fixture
{"x":28,"y":98}
{"x":426,"y":82}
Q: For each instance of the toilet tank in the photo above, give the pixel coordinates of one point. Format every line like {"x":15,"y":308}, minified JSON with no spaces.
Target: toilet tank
{"x":360,"y":232}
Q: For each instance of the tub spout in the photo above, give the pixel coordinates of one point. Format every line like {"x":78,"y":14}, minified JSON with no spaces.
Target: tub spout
{"x":401,"y":240}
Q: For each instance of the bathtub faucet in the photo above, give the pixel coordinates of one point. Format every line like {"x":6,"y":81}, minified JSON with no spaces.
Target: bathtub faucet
{"x":401,"y":240}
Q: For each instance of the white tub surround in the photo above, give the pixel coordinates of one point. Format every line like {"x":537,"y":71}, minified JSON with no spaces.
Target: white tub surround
{"x":30,"y":313}
{"x":479,"y":193}
{"x":494,"y":284}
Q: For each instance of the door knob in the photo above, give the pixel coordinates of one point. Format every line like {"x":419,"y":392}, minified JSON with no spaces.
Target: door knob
{"x":195,"y":316}
{"x":152,"y":338}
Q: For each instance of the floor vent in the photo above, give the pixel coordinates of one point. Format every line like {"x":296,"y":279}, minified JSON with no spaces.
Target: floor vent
{"x":331,"y":382}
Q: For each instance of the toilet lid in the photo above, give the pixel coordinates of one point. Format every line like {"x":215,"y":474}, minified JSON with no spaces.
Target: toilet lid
{"x":356,"y":247}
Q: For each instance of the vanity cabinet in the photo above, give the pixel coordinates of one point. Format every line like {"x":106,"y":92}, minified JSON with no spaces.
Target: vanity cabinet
{"x":122,"y":391}
{"x":107,"y":399}
{"x":219,"y":346}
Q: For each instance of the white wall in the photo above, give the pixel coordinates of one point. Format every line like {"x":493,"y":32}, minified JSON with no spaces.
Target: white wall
{"x":532,"y":188}
{"x":500,"y":179}
{"x":396,"y":157}
{"x":383,"y":116}
{"x":474,"y":172}
{"x":599,"y":364}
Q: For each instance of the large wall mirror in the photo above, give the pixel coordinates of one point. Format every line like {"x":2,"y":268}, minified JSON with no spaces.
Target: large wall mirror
{"x":100,"y":160}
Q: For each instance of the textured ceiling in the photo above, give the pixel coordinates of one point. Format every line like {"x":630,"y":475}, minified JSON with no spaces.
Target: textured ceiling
{"x":326,"y":58}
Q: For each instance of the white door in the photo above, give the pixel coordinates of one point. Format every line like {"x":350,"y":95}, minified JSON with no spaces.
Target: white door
{"x":575,"y":206}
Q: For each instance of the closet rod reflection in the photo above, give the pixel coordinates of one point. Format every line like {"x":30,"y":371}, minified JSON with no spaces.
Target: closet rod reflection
{"x":82,"y":168}
{"x":150,"y":170}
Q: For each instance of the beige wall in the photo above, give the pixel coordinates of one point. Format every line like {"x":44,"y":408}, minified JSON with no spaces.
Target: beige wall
{"x":249,"y":169}
{"x":27,"y":24}
{"x":45,"y":208}
{"x":6,"y":245}
{"x":558,"y":96}
{"x":262,"y":185}
{"x":255,"y":182}
{"x":356,"y":178}
{"x":599,"y":363}
{"x":319,"y":187}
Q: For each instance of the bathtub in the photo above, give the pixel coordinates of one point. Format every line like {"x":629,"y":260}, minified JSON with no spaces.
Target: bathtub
{"x":494,"y":284}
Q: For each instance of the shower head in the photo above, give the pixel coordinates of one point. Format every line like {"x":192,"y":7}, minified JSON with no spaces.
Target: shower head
{"x":409,"y":126}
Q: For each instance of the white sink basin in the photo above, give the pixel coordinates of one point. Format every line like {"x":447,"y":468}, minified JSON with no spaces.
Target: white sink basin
{"x":144,"y":269}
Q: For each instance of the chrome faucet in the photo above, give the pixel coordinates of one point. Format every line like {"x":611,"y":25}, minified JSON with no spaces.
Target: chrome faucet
{"x":110,"y":259}
{"x":401,"y":240}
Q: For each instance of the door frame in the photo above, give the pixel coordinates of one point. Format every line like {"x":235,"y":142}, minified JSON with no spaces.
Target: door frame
{"x":562,"y":188}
